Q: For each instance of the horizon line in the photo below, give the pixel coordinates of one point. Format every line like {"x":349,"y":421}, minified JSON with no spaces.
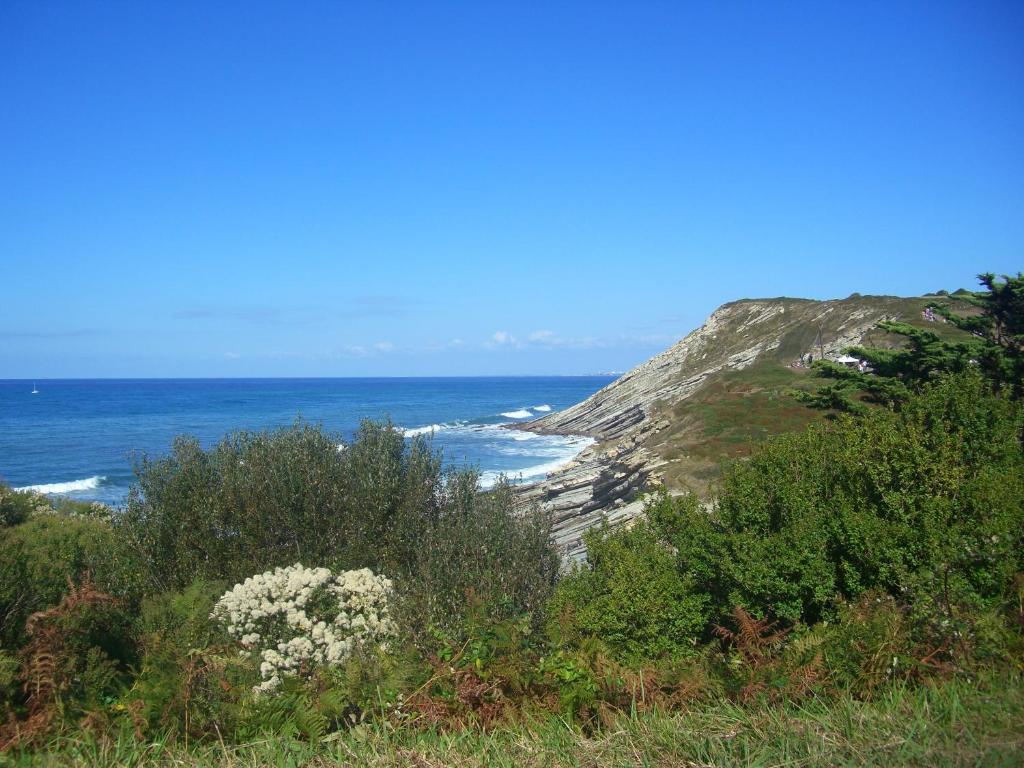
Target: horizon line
{"x":317,"y":378}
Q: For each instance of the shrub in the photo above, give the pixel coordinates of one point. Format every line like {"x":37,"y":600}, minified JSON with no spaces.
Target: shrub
{"x":297,"y":619}
{"x":926,"y":504}
{"x":42,"y":556}
{"x":370,"y":684}
{"x":17,"y":506}
{"x":631,"y":595}
{"x":190,"y":678}
{"x":74,"y":663}
{"x":480,"y":549}
{"x":871,"y":644}
{"x":8,"y":681}
{"x":263,"y":500}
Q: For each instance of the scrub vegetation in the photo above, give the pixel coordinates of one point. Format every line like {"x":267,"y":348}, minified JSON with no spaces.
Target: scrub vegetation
{"x":851,"y":593}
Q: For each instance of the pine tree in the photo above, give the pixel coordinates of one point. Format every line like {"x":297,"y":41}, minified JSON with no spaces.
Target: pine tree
{"x":995,"y":347}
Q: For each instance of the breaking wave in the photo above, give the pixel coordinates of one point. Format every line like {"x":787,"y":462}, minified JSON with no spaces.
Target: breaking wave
{"x":88,"y":484}
{"x":428,"y":430}
{"x":522,"y":413}
{"x":526,"y":475}
{"x":542,"y":408}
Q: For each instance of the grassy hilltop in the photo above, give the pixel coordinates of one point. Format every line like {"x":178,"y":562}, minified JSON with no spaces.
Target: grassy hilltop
{"x":735,"y":410}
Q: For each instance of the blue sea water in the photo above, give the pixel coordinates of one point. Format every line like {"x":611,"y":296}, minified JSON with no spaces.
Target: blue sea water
{"x":78,"y":437}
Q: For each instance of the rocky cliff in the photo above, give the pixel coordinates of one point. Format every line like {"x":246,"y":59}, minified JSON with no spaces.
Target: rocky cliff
{"x":656,"y":422}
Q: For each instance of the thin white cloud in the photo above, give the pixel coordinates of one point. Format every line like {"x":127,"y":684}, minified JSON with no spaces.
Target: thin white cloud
{"x":548,"y":339}
{"x":502,"y":339}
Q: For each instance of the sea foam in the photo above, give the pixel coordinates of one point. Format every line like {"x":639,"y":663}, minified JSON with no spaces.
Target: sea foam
{"x":428,"y":430}
{"x":88,"y":484}
{"x":522,"y":413}
{"x":564,"y":449}
{"x":542,"y":408}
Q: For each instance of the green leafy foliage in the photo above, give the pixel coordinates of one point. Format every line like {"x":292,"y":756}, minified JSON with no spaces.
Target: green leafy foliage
{"x":926,"y":504}
{"x":74,"y":663}
{"x":8,"y":680}
{"x":39,"y":558}
{"x":479,"y":550}
{"x":191,"y":678}
{"x":994,"y":346}
{"x":1000,"y":325}
{"x":262,"y":500}
{"x":255,"y":501}
{"x":370,"y":684}
{"x":17,"y":506}
{"x":631,"y":595}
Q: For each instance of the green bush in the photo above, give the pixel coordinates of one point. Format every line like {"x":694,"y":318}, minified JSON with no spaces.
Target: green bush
{"x":93,"y":652}
{"x":263,"y":500}
{"x":480,"y":549}
{"x":871,"y":644}
{"x":370,"y":684}
{"x":75,"y":662}
{"x":17,"y":506}
{"x":631,"y":595}
{"x":926,"y":504}
{"x":9,"y":666}
{"x":41,"y":557}
{"x":190,"y":678}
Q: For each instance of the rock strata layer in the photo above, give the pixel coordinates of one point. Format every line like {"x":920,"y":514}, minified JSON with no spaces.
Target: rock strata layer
{"x":605,"y":480}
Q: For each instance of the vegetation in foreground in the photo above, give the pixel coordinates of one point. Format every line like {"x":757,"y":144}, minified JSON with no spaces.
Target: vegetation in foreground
{"x":854,"y":595}
{"x":958,"y":723}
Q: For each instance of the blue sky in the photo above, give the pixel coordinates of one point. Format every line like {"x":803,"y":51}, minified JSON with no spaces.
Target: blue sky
{"x":339,"y":188}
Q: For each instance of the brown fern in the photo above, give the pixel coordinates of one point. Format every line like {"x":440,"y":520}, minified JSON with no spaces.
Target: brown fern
{"x":44,"y":659}
{"x":754,"y":639}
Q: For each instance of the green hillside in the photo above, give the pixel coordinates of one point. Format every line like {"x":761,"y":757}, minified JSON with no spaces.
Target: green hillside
{"x":735,"y":410}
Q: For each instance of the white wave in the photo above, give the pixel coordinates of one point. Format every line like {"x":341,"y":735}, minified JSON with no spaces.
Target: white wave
{"x":554,"y":451}
{"x":569,"y":450}
{"x":428,"y":430}
{"x":542,"y":408}
{"x":522,"y":413}
{"x":88,"y":484}
{"x":489,"y":479}
{"x":521,"y":436}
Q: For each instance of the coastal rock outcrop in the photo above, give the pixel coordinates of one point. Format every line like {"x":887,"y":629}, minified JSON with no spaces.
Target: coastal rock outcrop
{"x":605,"y":481}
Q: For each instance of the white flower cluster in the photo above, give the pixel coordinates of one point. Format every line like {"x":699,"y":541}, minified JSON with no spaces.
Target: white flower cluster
{"x":296,"y":619}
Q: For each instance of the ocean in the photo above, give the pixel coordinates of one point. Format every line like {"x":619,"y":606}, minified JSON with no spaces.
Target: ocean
{"x":78,"y":437}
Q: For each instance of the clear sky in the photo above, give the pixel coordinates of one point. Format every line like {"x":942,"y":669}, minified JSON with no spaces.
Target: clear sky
{"x":339,"y":188}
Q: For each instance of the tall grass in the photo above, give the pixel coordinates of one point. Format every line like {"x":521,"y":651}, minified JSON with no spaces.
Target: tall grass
{"x":956,"y":723}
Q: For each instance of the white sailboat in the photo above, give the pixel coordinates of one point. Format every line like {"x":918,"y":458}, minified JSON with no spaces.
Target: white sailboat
{"x":34,"y":390}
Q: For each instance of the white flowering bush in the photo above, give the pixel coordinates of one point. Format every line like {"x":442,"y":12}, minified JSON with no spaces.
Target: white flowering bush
{"x":296,"y":619}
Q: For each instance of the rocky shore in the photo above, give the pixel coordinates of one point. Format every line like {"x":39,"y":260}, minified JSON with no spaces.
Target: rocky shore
{"x":606,"y":480}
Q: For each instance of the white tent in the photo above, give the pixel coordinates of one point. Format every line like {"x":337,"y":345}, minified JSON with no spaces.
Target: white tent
{"x":847,"y":360}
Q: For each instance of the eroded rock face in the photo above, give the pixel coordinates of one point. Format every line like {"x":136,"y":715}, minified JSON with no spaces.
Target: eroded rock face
{"x":605,"y":480}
